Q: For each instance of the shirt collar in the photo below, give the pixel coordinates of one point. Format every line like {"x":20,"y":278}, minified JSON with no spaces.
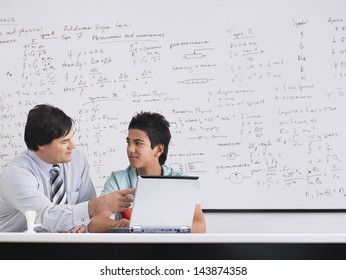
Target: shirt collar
{"x":45,"y":166}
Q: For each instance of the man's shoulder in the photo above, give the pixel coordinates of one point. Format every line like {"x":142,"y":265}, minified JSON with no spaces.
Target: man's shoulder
{"x":169,"y":171}
{"x":22,"y":159}
{"x":22,"y":165}
{"x":119,"y":179}
{"x":121,"y":173}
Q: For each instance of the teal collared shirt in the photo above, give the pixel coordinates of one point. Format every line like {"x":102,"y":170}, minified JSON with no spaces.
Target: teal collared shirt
{"x":127,"y":179}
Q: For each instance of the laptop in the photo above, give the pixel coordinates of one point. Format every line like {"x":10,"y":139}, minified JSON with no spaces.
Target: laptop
{"x":163,"y":204}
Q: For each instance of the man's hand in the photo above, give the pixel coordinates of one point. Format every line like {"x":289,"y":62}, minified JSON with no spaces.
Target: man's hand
{"x":117,"y":201}
{"x":78,"y":229}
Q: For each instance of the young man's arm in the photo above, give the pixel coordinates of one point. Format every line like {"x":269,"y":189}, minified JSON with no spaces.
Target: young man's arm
{"x":102,"y":222}
{"x":198,"y":224}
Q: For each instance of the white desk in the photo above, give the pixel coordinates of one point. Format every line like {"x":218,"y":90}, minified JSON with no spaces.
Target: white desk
{"x":172,"y":238}
{"x":172,"y":246}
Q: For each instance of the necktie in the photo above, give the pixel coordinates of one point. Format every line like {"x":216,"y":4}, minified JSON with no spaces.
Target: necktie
{"x":58,"y":194}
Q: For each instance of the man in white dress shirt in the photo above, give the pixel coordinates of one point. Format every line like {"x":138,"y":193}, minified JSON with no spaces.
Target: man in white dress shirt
{"x":26,"y":181}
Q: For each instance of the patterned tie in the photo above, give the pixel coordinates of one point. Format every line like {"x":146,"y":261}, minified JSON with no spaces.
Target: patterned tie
{"x":58,"y":194}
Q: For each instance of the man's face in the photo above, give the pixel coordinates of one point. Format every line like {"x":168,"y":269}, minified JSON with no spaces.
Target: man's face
{"x":139,"y":151}
{"x":59,"y":150}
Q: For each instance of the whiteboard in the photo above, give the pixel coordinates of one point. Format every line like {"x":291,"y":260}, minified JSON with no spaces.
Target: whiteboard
{"x":254,"y":90}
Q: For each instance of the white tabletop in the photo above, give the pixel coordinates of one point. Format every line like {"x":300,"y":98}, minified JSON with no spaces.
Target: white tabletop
{"x":172,"y":238}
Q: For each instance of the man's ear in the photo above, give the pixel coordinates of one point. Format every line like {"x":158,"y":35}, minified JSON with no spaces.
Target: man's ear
{"x":41,"y":148}
{"x":160,"y":148}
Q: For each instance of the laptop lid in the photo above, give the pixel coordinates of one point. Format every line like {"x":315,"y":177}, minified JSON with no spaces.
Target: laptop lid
{"x":164,"y":204}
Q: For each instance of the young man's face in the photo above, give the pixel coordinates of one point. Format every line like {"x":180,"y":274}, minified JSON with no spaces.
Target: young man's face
{"x":59,"y":150}
{"x":139,"y":151}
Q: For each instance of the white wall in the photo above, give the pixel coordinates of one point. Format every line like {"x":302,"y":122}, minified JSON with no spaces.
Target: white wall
{"x":276,"y":222}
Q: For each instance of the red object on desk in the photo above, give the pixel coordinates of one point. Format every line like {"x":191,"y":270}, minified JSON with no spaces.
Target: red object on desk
{"x":127,"y":214}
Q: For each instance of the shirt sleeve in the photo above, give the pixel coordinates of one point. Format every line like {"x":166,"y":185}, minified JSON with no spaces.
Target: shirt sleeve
{"x":110,"y":185}
{"x":119,"y":180}
{"x":25,"y":191}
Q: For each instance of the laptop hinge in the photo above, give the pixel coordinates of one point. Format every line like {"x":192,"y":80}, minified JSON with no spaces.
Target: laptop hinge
{"x":185,"y":229}
{"x":136,"y":229}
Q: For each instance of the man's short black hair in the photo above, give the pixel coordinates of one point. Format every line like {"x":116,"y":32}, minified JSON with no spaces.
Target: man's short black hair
{"x":44,"y":124}
{"x":156,"y":127}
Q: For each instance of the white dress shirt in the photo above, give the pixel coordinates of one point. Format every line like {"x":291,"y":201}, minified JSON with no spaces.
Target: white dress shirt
{"x":25,"y":185}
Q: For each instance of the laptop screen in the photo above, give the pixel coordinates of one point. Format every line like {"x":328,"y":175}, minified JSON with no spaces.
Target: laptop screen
{"x":166,"y":202}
